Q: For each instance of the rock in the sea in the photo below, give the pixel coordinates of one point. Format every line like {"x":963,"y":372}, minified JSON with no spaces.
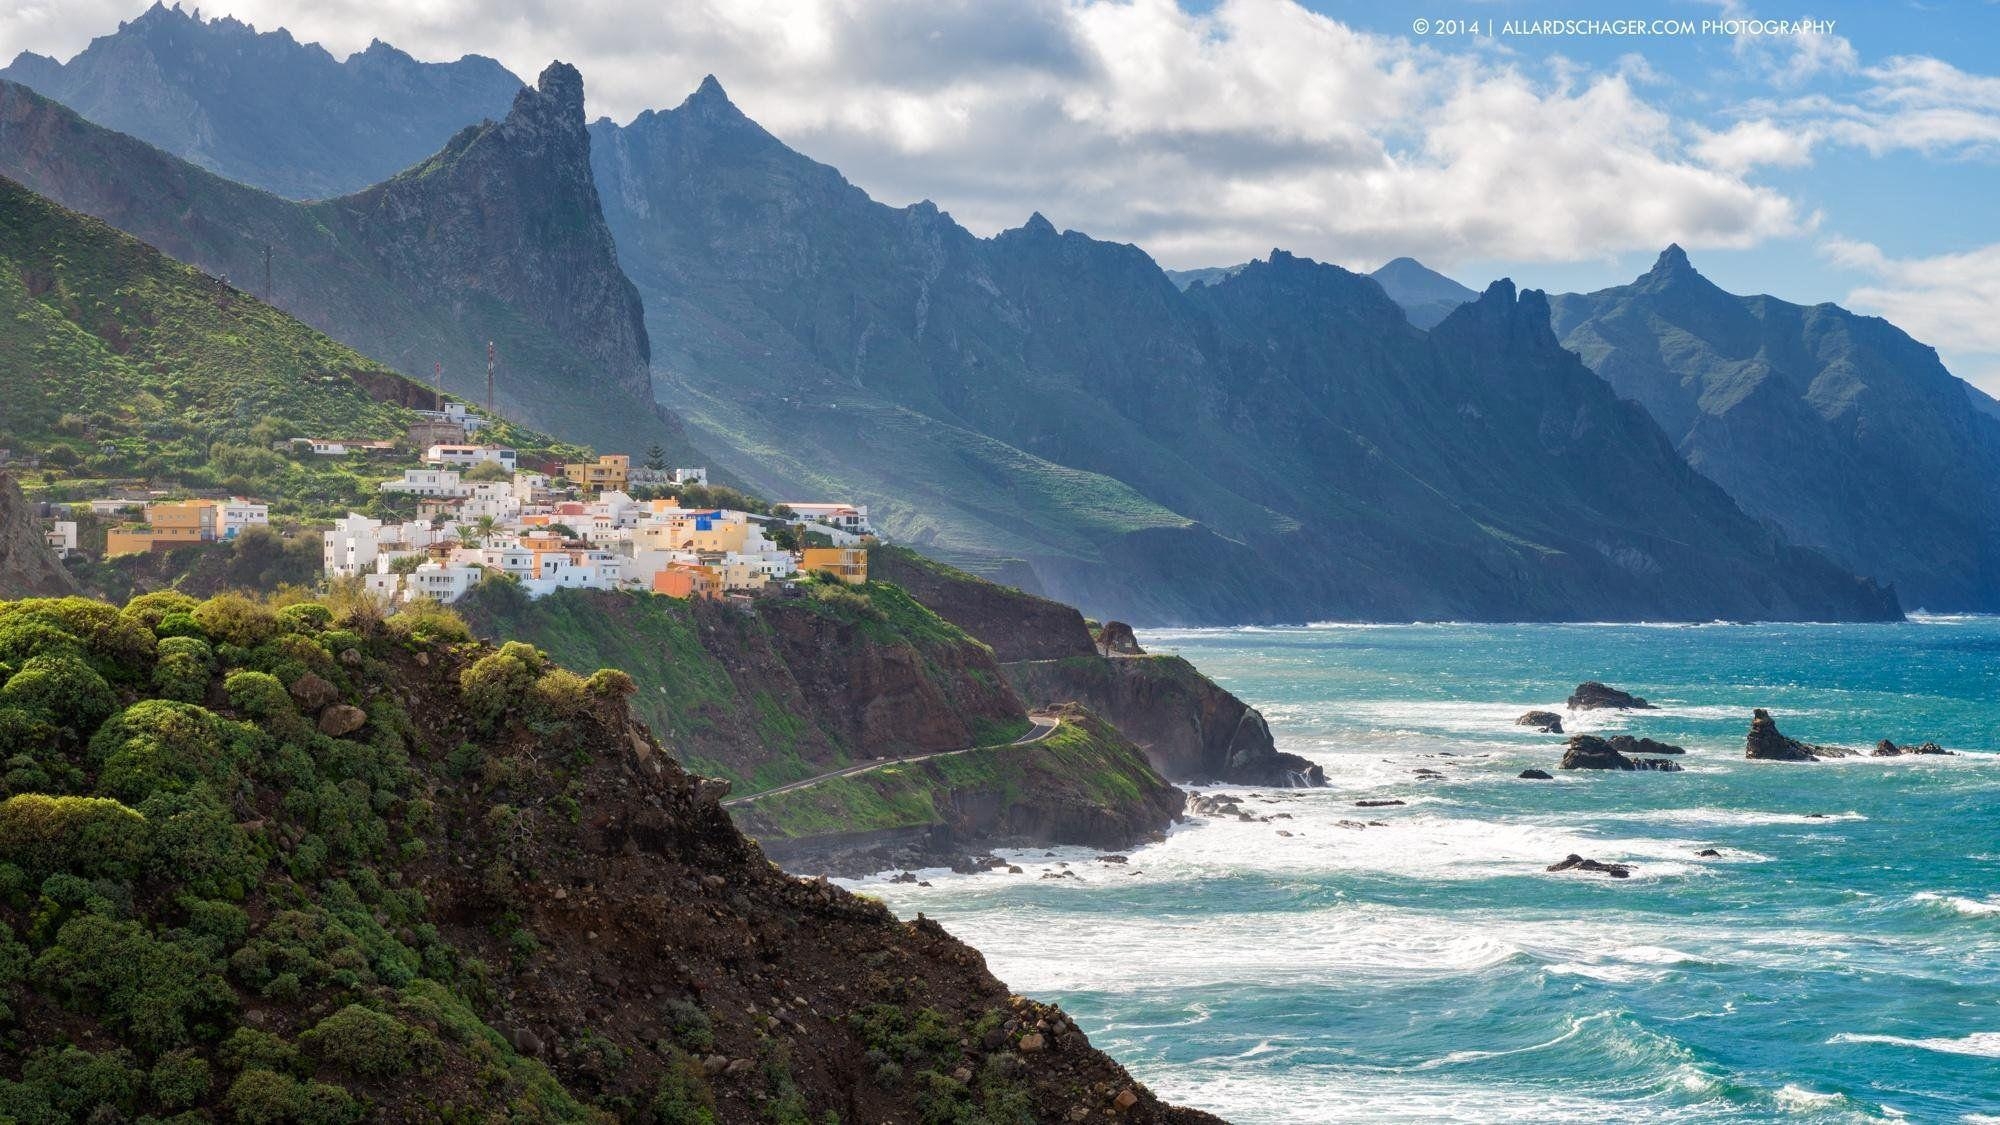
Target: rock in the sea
{"x":1888,"y":749}
{"x":1548,"y":722}
{"x":1766,"y":743}
{"x":1536,"y":775}
{"x":1116,"y":639}
{"x":1708,"y":853}
{"x":1589,"y":752}
{"x":1575,"y":862}
{"x":1627,"y":744}
{"x":1593,"y":696}
{"x":1378,"y":803}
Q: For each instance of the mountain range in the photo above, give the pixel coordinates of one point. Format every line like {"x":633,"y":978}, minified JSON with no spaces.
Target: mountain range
{"x":1282,"y":440}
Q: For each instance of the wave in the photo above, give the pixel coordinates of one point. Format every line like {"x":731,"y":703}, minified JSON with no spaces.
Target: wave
{"x":1727,"y":818}
{"x":1983,"y":1044}
{"x":1958,"y":904}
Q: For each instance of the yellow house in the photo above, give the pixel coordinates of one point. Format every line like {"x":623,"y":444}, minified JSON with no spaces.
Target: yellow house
{"x":707,"y":530}
{"x":167,"y":526}
{"x":607,"y":473}
{"x":849,"y":564}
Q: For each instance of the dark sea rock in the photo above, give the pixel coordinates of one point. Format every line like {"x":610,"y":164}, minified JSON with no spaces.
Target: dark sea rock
{"x":1116,"y":639}
{"x":1594,"y":696}
{"x":1708,"y":853}
{"x":1548,"y":722}
{"x":1536,"y":775}
{"x":1766,"y":743}
{"x":1589,"y":752}
{"x":1378,"y":804}
{"x":1627,"y":744}
{"x":1575,"y":862}
{"x":1888,"y":749}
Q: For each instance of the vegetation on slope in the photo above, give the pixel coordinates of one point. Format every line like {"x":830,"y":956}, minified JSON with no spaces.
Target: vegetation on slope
{"x":118,"y":362}
{"x":304,"y":864}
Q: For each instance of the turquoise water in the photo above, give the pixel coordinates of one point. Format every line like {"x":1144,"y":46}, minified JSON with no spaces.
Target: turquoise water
{"x":1832,"y":968}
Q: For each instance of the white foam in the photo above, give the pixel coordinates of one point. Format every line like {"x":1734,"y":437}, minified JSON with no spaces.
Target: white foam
{"x":1726,"y":818}
{"x":1984,"y":1044}
{"x":1974,"y":907}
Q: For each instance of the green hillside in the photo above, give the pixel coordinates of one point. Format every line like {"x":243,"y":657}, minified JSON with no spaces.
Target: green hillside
{"x":119,"y":362}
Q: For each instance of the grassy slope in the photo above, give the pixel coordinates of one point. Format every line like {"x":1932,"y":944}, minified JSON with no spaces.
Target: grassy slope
{"x":105,"y":340}
{"x":1096,"y":769}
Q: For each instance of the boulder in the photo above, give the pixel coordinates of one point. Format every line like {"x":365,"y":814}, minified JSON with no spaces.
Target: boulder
{"x":1548,"y":722}
{"x":1117,"y":639}
{"x":1536,"y":775}
{"x":313,"y":693}
{"x":709,"y":790}
{"x":1627,"y":744}
{"x":1593,"y":696}
{"x":1575,"y":862}
{"x":1766,"y":743}
{"x":342,"y":719}
{"x":1380,"y":803}
{"x":1888,"y":749}
{"x":1589,"y":752}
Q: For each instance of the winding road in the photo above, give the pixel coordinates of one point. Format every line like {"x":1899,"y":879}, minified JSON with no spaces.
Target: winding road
{"x":1045,"y":725}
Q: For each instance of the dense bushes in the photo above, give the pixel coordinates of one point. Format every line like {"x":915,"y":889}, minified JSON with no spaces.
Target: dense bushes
{"x":88,"y":836}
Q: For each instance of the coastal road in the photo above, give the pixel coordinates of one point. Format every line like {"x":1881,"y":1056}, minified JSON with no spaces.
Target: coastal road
{"x":1045,"y":725}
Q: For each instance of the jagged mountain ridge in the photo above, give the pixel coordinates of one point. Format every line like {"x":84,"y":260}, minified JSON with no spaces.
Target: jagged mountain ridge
{"x":498,"y":237}
{"x":1838,"y":428}
{"x":265,"y":109}
{"x":1288,"y":412}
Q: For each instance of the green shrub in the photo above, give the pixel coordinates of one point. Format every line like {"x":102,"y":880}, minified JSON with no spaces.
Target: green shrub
{"x":25,"y":637}
{"x":197,"y":843}
{"x":560,"y":693}
{"x":120,"y":647}
{"x":248,"y":1049}
{"x":149,"y":610}
{"x":157,"y":992}
{"x":289,"y":656}
{"x":689,"y":1025}
{"x":495,"y":681}
{"x":160,"y":744}
{"x":235,"y":619}
{"x":87,"y":836}
{"x":310,"y":618}
{"x":79,"y":1084}
{"x":265,"y":1097}
{"x":62,"y":691}
{"x":610,"y":683}
{"x":683,"y":1097}
{"x":182,"y":668}
{"x":179,"y":1079}
{"x":259,"y":695}
{"x":426,"y":621}
{"x":371,"y":1044}
{"x":179,"y":625}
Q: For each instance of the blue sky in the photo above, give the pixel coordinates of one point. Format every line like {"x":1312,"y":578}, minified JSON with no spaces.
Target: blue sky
{"x":1854,"y":163}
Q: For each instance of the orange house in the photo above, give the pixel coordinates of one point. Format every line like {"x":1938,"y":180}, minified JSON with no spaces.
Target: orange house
{"x":849,"y":564}
{"x":683,"y":581}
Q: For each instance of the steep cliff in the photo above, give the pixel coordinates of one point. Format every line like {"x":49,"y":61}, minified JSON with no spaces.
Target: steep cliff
{"x":1014,"y":624}
{"x":1838,"y":428}
{"x":299,"y":866}
{"x":497,"y":238}
{"x":264,"y":109}
{"x":27,"y":567}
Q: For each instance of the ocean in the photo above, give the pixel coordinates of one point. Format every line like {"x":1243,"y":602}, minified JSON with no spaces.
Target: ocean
{"x":1839,"y":960}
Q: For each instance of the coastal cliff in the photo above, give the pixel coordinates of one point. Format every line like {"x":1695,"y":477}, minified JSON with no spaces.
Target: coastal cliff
{"x":382,"y":871}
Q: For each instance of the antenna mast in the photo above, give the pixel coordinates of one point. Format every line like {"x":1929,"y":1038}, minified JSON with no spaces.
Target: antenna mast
{"x":267,"y":273}
{"x":437,"y":383}
{"x":489,"y":380}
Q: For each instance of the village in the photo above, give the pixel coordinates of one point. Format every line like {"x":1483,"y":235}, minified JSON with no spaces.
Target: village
{"x":475,"y":511}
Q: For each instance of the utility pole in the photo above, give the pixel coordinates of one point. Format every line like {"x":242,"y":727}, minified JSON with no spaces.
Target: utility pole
{"x":267,"y":273}
{"x":437,"y":384}
{"x":489,"y":380}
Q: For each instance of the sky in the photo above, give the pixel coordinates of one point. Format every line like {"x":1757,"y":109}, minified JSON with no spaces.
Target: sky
{"x":1563,"y":144}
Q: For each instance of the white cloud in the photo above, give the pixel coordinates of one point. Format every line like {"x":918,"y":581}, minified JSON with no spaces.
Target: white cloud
{"x":1947,"y":301}
{"x":1748,"y":144}
{"x":1908,"y":103}
{"x":1204,"y":136}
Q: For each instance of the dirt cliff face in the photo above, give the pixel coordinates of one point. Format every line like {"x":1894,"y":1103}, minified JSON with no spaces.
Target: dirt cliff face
{"x":27,"y":567}
{"x":1014,"y":624}
{"x":1190,"y":728}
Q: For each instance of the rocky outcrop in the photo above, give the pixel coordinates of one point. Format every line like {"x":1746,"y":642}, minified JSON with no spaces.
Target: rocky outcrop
{"x":1592,"y":696}
{"x":1548,"y":722}
{"x":1116,"y":639}
{"x":1888,"y":749}
{"x":1535,"y":775}
{"x":27,"y":567}
{"x":1589,"y":752}
{"x":1014,"y":624}
{"x":1629,"y":744}
{"x":1190,"y":728}
{"x":1766,"y":743}
{"x":1574,"y":862}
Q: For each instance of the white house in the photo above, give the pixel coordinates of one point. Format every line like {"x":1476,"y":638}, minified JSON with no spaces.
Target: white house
{"x":61,"y":537}
{"x":455,"y":414}
{"x":436,"y":580}
{"x":466,"y":456}
{"x":428,"y":482}
{"x":851,"y":518}
{"x":232,"y":516}
{"x":692,"y":476}
{"x":351,"y":545}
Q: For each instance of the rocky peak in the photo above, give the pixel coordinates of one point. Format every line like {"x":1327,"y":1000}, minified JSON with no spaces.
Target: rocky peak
{"x":1502,"y":312}
{"x":1673,"y":272}
{"x":1039,"y":225}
